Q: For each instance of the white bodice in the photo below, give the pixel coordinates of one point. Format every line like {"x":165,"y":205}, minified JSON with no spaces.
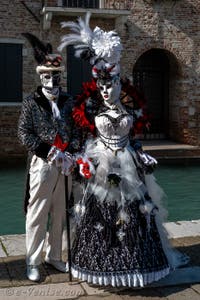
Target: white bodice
{"x":113,"y":128}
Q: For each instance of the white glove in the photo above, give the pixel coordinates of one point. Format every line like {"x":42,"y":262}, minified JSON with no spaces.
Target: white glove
{"x":147,"y":159}
{"x":67,"y":164}
{"x":53,"y":154}
{"x":62,"y":160}
{"x":149,"y":163}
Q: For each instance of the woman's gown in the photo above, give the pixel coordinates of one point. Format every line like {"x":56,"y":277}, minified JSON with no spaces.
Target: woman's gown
{"x":119,"y":239}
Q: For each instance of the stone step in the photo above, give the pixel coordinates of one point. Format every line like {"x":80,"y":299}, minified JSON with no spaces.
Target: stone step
{"x":171,"y":150}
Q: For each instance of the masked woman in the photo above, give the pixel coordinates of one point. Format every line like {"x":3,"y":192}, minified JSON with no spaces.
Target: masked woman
{"x":119,"y":239}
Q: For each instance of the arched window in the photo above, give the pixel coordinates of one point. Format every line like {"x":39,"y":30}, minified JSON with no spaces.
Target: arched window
{"x":151,"y":76}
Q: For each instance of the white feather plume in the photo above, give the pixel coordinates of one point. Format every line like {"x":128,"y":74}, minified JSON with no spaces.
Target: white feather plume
{"x":99,"y":44}
{"x":81,"y":37}
{"x":106,"y":45}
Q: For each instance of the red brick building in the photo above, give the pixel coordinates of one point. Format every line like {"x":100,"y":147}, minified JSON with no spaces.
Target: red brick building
{"x":161,"y":56}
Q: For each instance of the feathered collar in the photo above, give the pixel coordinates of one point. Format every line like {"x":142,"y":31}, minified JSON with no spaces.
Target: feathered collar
{"x":42,"y":101}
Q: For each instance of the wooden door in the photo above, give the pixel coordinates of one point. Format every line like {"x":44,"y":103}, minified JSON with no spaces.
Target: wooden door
{"x":151,"y":76}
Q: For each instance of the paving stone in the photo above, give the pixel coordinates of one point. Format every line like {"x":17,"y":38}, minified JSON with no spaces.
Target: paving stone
{"x":180,"y":293}
{"x":189,"y":246}
{"x":186,"y":241}
{"x":14,"y":244}
{"x":45,"y":278}
{"x":16,"y":266}
{"x":103,"y":297}
{"x":4,"y":275}
{"x":2,"y":253}
{"x":140,"y":293}
{"x":94,"y":290}
{"x":17,"y":270}
{"x":54,"y":275}
{"x":39,"y":292}
{"x":196,"y":288}
{"x":183,"y":228}
{"x":2,"y":250}
{"x":171,"y":290}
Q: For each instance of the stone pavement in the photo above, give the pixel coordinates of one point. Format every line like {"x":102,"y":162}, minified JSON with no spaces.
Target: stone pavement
{"x":183,"y":284}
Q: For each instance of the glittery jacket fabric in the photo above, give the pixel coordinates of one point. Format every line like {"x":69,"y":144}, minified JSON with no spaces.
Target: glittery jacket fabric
{"x":37,"y":128}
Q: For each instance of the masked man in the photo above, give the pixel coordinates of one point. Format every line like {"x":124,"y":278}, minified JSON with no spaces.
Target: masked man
{"x":45,"y":129}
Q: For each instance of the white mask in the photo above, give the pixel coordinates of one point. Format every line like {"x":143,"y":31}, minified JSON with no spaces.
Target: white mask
{"x":110,"y":91}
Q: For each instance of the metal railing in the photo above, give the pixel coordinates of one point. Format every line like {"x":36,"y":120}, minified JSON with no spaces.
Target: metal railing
{"x":99,"y":4}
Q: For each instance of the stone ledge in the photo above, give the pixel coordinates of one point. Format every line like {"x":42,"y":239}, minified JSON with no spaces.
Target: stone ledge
{"x":11,"y":245}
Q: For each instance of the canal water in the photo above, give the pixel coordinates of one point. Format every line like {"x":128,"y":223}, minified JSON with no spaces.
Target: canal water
{"x":180,"y":183}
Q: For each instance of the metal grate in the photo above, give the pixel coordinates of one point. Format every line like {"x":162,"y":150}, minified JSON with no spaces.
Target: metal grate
{"x":101,"y":4}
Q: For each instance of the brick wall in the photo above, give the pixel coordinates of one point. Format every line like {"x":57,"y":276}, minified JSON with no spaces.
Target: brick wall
{"x":174,"y":27}
{"x":169,"y":25}
{"x":9,"y":144}
{"x":14,"y":20}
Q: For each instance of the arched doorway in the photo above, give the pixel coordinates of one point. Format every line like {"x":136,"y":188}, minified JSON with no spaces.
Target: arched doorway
{"x":151,"y":77}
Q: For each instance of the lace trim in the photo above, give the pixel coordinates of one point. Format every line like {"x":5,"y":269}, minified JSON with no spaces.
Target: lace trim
{"x":116,"y":279}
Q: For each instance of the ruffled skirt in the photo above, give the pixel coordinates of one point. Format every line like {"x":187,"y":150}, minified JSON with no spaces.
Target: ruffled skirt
{"x":117,"y":242}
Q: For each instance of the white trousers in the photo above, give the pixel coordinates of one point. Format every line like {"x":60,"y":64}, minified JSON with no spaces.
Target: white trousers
{"x":46,"y":208}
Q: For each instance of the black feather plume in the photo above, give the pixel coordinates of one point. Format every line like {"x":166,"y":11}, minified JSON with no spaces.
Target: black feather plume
{"x":40,"y":49}
{"x":49,"y":48}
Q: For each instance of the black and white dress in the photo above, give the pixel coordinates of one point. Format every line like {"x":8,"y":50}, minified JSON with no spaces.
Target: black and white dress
{"x":119,"y":239}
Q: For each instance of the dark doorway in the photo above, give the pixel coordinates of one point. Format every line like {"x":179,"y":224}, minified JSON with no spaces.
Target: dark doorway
{"x":151,"y":76}
{"x":78,"y":71}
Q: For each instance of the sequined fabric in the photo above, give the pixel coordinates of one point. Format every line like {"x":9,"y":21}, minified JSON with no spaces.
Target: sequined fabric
{"x":37,"y":124}
{"x":100,"y":248}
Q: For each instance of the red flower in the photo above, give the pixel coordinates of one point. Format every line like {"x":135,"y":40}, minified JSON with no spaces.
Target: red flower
{"x":84,"y":168}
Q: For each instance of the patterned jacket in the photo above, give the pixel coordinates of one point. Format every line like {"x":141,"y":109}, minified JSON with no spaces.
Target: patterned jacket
{"x":37,"y":128}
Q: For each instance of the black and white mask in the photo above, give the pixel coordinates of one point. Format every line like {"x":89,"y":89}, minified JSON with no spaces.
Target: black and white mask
{"x":50,"y":80}
{"x":50,"y":87}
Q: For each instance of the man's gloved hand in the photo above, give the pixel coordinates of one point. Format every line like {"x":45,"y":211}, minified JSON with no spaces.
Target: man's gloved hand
{"x":55,"y":155}
{"x":149,"y":163}
{"x":67,"y":164}
{"x":86,"y":167}
{"x":62,"y":160}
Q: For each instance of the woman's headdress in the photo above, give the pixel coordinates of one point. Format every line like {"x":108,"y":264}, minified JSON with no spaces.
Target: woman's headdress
{"x":101,"y":48}
{"x":47,"y":61}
